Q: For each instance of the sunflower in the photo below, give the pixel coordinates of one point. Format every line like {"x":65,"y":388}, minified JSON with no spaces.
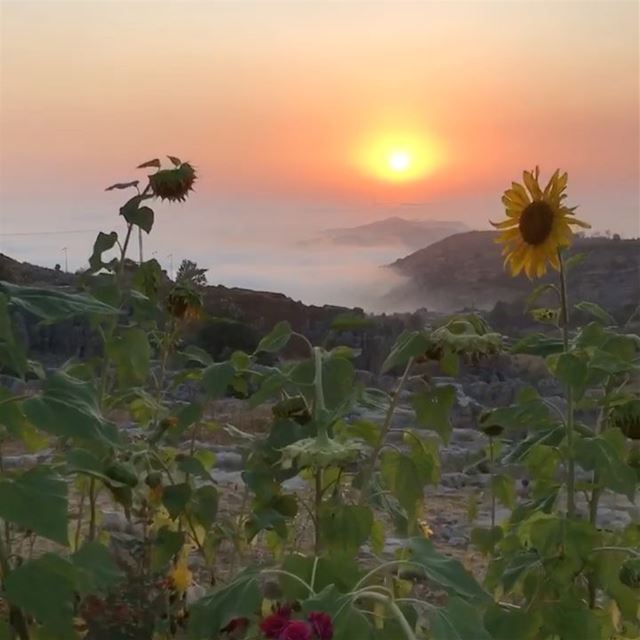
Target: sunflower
{"x":538,"y":224}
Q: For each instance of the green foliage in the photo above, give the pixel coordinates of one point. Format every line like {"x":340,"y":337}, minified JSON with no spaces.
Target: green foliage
{"x":554,"y":573}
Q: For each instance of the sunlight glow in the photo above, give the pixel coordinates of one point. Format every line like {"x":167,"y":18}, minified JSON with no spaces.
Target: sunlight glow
{"x":406,"y":157}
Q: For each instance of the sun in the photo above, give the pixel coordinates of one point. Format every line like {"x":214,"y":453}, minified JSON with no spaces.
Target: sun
{"x":403,"y":157}
{"x":399,"y":160}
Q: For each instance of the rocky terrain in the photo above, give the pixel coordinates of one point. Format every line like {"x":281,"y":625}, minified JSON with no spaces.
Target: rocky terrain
{"x":466,"y":270}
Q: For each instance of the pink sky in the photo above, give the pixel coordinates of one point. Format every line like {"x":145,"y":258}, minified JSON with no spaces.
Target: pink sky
{"x":274,"y":102}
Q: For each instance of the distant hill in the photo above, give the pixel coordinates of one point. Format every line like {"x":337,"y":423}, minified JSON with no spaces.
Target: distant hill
{"x":412,"y":234}
{"x":466,"y":269}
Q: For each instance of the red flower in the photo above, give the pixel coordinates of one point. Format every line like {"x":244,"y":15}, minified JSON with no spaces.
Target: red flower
{"x":272,"y":626}
{"x":296,"y":630}
{"x":321,"y":625}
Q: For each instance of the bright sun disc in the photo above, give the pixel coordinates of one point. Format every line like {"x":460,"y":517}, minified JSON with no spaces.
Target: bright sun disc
{"x":399,"y":161}
{"x":399,"y":157}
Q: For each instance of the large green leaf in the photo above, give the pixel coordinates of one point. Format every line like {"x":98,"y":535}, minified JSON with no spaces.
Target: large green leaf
{"x":596,"y":311}
{"x":103,"y":242}
{"x":571,"y":370}
{"x":447,"y":572}
{"x":45,"y":588}
{"x":175,"y":498}
{"x":68,"y":407}
{"x":510,"y":623}
{"x":606,"y":454}
{"x":401,"y":476}
{"x":96,"y":569}
{"x":277,"y":339}
{"x":36,"y":500}
{"x":52,"y":305}
{"x":348,"y":622}
{"x":130,"y":351}
{"x":432,"y":409}
{"x":216,"y":378}
{"x":336,"y":569}
{"x":459,"y":620}
{"x":240,"y":598}
{"x":139,"y":216}
{"x":410,"y":344}
{"x":345,"y":527}
{"x":13,"y":355}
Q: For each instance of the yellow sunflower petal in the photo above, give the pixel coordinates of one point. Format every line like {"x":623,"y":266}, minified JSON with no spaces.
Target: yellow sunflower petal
{"x":518,"y":191}
{"x":532,"y":185}
{"x":576,"y":221}
{"x":504,"y":224}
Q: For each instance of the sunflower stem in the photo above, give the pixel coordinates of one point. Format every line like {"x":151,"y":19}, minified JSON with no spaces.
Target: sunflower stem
{"x":571,"y":471}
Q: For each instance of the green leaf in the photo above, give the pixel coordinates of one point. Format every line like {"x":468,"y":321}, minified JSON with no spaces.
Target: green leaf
{"x":570,"y":370}
{"x":449,"y":362}
{"x":175,"y":498}
{"x":432,"y":409}
{"x":538,"y":344}
{"x":508,"y":624}
{"x":348,"y":622}
{"x":337,"y":569}
{"x":68,"y":407}
{"x":596,"y":311}
{"x":96,"y":569}
{"x":52,"y":305}
{"x":338,"y":375}
{"x":399,"y":473}
{"x":277,"y":339}
{"x":504,"y":490}
{"x":241,"y":598}
{"x":447,"y":572}
{"x":606,"y":454}
{"x":410,"y":344}
{"x":345,"y":527}
{"x":13,"y":354}
{"x":103,"y":242}
{"x":123,"y":185}
{"x":45,"y":588}
{"x":458,"y":621}
{"x":166,"y":545}
{"x":142,"y":217}
{"x":537,"y":292}
{"x":36,"y":500}
{"x":204,"y":505}
{"x":216,"y":378}
{"x":130,"y":351}
{"x":176,"y":161}
{"x":485,"y":540}
{"x":192,"y":353}
{"x":149,"y":163}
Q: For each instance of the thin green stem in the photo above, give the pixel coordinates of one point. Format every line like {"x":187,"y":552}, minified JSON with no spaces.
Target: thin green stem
{"x":384,"y":432}
{"x":493,"y":493}
{"x":92,"y":510}
{"x":394,"y":608}
{"x":293,"y":576}
{"x":571,"y":472}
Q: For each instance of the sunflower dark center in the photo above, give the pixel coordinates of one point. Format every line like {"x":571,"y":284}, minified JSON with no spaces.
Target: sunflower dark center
{"x":536,"y":222}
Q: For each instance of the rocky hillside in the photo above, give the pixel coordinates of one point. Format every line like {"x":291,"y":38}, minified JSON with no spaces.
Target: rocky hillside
{"x":257,"y":310}
{"x":466,"y":270}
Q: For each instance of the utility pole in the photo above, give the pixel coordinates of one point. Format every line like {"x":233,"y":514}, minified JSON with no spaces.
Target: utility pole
{"x":66,"y":259}
{"x":170,"y":256}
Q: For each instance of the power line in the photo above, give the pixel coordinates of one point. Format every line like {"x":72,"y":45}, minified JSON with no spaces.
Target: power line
{"x":47,"y":233}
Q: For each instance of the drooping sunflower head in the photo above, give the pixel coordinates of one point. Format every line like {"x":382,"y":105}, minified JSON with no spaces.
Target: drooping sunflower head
{"x":184,"y":303}
{"x":173,"y":184}
{"x":538,"y":224}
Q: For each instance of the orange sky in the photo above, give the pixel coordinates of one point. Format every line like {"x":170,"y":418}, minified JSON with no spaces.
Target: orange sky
{"x":276,"y":101}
